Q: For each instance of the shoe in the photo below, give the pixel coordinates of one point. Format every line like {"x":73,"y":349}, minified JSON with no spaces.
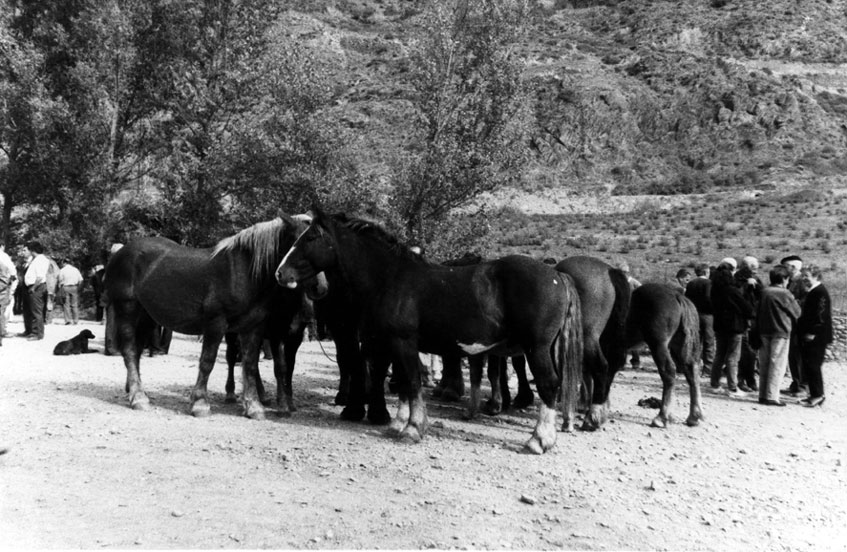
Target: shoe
{"x":771,"y":402}
{"x":34,"y":338}
{"x":791,"y":392}
{"x":743,"y":387}
{"x":24,"y":334}
{"x":813,"y":401}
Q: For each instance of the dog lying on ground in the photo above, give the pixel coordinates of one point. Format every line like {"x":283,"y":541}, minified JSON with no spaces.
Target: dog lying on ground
{"x":75,"y":345}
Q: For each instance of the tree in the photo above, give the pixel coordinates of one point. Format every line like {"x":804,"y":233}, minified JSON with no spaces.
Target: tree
{"x":472,"y":117}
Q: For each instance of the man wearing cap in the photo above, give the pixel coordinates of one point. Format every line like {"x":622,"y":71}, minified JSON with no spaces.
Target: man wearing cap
{"x":732,"y":313}
{"x":794,"y":264}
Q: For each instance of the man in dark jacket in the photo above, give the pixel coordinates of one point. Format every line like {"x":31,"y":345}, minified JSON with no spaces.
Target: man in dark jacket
{"x":748,"y":281}
{"x":794,"y":264}
{"x":732,"y":315}
{"x":699,"y":290}
{"x":814,"y":330}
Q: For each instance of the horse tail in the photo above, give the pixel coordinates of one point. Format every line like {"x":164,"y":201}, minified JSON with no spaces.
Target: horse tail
{"x":569,"y":350}
{"x":690,"y":327}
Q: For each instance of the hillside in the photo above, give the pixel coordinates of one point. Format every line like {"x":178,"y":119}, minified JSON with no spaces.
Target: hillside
{"x":639,"y":96}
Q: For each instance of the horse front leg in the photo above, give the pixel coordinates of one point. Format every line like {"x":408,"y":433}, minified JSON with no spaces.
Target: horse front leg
{"x":290,"y":345}
{"x":451,"y":386}
{"x":667,"y":372}
{"x":497,"y":375}
{"x":525,"y":396}
{"x":547,"y":383}
{"x":251,"y":400}
{"x":475,"y":364}
{"x":377,"y":409}
{"x":232,"y":351}
{"x":212,"y":337}
{"x":411,"y":412}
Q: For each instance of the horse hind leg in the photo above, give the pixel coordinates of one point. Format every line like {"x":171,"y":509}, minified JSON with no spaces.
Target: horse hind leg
{"x":689,"y":369}
{"x":497,"y":375}
{"x":475,"y":364}
{"x":127,"y":333}
{"x":547,"y":383}
{"x":667,"y":372}
{"x":199,"y":394}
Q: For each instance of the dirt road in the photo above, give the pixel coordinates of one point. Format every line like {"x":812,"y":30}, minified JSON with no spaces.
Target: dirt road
{"x":82,"y":470}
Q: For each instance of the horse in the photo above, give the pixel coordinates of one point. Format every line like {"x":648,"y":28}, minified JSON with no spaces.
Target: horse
{"x":605,"y":296}
{"x":506,"y":307}
{"x":208,"y":292}
{"x":668,"y":323}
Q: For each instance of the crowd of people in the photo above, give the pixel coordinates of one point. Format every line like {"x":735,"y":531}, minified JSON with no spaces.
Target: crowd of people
{"x":749,"y":329}
{"x":35,"y":285}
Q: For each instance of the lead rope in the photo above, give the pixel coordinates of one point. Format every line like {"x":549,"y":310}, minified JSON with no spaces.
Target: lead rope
{"x":325,"y":353}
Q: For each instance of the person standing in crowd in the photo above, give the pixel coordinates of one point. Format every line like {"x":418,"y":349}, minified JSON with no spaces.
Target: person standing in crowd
{"x":681,"y":280}
{"x":699,"y":290}
{"x":70,"y":281}
{"x":814,"y":331}
{"x":748,"y":281}
{"x":8,"y":275}
{"x":731,"y":315}
{"x":52,"y":284}
{"x":777,"y":313}
{"x":35,"y":279}
{"x":794,"y":265}
{"x":623,"y":266}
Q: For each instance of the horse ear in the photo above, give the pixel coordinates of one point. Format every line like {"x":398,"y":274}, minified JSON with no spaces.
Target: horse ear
{"x":317,"y":212}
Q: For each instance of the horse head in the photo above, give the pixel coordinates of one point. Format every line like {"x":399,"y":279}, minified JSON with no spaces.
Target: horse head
{"x":312,"y":252}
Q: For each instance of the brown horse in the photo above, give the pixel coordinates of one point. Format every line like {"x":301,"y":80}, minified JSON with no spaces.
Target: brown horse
{"x":208,"y":292}
{"x":667,"y":322}
{"x":605,"y":295}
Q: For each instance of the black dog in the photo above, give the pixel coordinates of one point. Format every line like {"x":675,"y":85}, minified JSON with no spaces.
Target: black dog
{"x":75,"y":345}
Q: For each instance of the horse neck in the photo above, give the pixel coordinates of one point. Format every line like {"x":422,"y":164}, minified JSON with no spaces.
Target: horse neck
{"x":367,"y":267}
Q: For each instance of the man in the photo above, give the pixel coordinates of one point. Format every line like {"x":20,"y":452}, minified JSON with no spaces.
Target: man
{"x":699,"y":290}
{"x":681,"y":280}
{"x":35,"y":280}
{"x":814,"y":330}
{"x":777,"y":312}
{"x":70,"y":280}
{"x":794,"y":265}
{"x":8,"y":274}
{"x":52,"y":289}
{"x":747,"y":280}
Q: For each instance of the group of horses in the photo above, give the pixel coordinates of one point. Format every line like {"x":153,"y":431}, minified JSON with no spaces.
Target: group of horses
{"x":383,"y":304}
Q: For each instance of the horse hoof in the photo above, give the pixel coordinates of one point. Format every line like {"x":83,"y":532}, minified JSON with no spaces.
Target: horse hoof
{"x":284,"y":413}
{"x":692,"y":421}
{"x":255,"y":414}
{"x":231,"y":398}
{"x":492,"y":408}
{"x":341,"y":399}
{"x":568,"y":427}
{"x":410,"y":435}
{"x":450,"y":395}
{"x":353,"y":413}
{"x":589,"y":425}
{"x":201,"y":410}
{"x":469,"y":415}
{"x":533,"y":446}
{"x":140,"y":403}
{"x":523,"y":401}
{"x":378,"y":416}
{"x":394,"y":429}
{"x":659,"y":423}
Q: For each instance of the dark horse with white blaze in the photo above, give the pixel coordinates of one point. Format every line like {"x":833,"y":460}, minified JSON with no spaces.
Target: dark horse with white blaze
{"x":667,"y":321}
{"x":605,"y":295}
{"x":208,"y":292}
{"x":509,"y":306}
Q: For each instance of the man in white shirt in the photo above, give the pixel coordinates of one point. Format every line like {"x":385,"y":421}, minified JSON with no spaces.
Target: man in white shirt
{"x":70,"y":280}
{"x":35,"y":280}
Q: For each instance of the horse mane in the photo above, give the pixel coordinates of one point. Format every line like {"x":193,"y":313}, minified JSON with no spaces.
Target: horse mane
{"x":262,"y":241}
{"x":374,"y":231}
